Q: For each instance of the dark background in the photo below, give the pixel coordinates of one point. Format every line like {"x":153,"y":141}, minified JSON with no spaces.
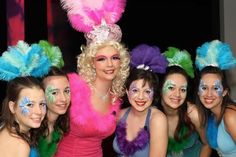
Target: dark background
{"x":185,"y":24}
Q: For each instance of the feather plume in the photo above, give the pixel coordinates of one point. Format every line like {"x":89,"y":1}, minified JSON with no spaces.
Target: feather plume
{"x":23,"y":60}
{"x":215,"y":53}
{"x":148,"y":57}
{"x":85,"y":14}
{"x":53,"y":53}
{"x":180,"y":58}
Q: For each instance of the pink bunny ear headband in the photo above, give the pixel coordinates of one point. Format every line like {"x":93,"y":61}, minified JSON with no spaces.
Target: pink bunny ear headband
{"x":95,"y":18}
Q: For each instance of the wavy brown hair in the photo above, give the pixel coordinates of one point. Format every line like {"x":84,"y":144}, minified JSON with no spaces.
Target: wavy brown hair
{"x":14,"y":87}
{"x":184,"y":120}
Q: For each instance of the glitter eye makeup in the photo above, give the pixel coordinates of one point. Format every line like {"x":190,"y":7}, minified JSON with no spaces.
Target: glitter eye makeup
{"x":25,"y":101}
{"x":184,"y":88}
{"x":218,"y":87}
{"x":133,"y":90}
{"x":116,"y":57}
{"x":201,"y":87}
{"x":149,"y":93}
{"x":168,"y":85}
{"x":49,"y":92}
{"x":100,"y":58}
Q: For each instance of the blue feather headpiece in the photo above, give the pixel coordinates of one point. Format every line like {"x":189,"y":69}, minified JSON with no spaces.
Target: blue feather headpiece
{"x":23,"y":60}
{"x":148,"y":58}
{"x":215,"y":53}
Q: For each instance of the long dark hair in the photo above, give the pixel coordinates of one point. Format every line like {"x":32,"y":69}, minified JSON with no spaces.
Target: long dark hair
{"x":226,"y":99}
{"x":149,"y":77}
{"x":184,"y":120}
{"x":14,"y":87}
{"x":62,"y":122}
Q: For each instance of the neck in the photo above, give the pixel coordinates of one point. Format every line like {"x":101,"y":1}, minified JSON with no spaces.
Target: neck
{"x":102,"y":86}
{"x":136,"y":113}
{"x":52,"y":117}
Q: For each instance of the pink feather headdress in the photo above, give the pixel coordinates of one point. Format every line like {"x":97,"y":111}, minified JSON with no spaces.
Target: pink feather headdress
{"x":95,"y":18}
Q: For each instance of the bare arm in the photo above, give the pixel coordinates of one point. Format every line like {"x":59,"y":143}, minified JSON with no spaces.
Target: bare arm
{"x":229,"y":120}
{"x":193,"y":114}
{"x":158,"y":134}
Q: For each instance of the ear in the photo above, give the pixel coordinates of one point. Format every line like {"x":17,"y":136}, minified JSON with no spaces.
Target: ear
{"x":11,"y":105}
{"x":225,"y":92}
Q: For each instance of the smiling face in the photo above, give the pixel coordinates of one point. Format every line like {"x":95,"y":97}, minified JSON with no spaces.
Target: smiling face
{"x":210,"y":91}
{"x":106,"y":63}
{"x":140,"y":95}
{"x":57,"y":93}
{"x":174,"y":91}
{"x":30,"y":108}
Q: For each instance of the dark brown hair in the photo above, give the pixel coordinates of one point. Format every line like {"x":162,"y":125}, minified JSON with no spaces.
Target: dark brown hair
{"x":226,"y":99}
{"x":184,"y":120}
{"x":14,"y":87}
{"x":62,"y":122}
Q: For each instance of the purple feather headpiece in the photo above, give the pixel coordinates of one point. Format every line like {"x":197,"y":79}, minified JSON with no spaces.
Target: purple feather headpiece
{"x":148,"y":58}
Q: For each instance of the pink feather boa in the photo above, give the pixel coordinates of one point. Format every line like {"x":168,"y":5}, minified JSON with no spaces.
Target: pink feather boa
{"x":81,"y":112}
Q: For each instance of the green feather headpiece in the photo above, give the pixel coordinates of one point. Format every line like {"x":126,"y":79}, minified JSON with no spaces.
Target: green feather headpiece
{"x":53,"y":53}
{"x":180,"y":58}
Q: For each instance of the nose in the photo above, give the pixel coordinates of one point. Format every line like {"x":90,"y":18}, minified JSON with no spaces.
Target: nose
{"x":140,"y":95}
{"x":109,"y":62}
{"x":209,"y":92}
{"x":62,"y":97}
{"x":37,"y":109}
{"x":177,"y":93}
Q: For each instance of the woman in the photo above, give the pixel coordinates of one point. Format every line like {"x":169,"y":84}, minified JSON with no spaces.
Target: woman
{"x":95,"y":98}
{"x":142,"y":129}
{"x":213,"y":96}
{"x":24,"y":106}
{"x":57,"y":91}
{"x":23,"y":110}
{"x":183,"y":118}
{"x":103,"y":67}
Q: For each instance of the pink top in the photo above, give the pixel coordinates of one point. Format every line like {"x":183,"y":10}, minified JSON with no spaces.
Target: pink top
{"x":87,"y":127}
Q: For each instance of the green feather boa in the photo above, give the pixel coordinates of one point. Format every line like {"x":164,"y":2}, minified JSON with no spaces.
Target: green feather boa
{"x":178,"y":146}
{"x":48,"y":148}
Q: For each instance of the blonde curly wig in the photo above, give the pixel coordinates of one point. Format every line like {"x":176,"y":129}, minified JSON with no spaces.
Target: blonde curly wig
{"x":86,"y":70}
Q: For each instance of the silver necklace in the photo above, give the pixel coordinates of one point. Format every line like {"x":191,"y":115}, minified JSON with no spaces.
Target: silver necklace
{"x":103,"y":97}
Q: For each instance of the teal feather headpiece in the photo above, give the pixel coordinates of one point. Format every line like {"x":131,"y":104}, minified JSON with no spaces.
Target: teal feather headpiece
{"x":215,"y":53}
{"x":53,"y":53}
{"x":23,"y":60}
{"x":180,"y":58}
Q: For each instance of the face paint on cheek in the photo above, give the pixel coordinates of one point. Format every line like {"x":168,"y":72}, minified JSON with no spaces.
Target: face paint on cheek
{"x":201,"y":87}
{"x":150,"y":94}
{"x":23,"y":106}
{"x":49,"y":94}
{"x":133,"y":90}
{"x":165,"y":88}
{"x":218,"y":87}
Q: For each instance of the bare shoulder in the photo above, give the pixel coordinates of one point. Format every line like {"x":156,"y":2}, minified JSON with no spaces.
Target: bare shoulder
{"x":157,"y":116}
{"x":23,"y":148}
{"x":230,"y":115}
{"x":18,"y":147}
